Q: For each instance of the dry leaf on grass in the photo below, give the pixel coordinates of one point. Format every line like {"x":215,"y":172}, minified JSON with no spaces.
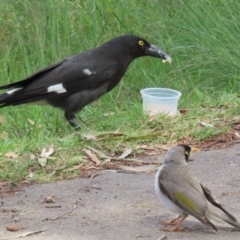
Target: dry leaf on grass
{"x":11,"y":155}
{"x":3,"y":135}
{"x":92,"y":156}
{"x":125,"y":153}
{"x":108,"y":114}
{"x":89,"y":137}
{"x":42,"y":162}
{"x":45,"y":155}
{"x":92,"y":135}
{"x":162,"y":147}
{"x":152,"y":118}
{"x":99,"y":153}
{"x":146,"y":147}
{"x":205,"y":124}
{"x":31,"y":121}
{"x":237,"y":134}
{"x":183,"y":110}
{"x":2,"y":118}
{"x":31,"y":175}
{"x":110,"y":135}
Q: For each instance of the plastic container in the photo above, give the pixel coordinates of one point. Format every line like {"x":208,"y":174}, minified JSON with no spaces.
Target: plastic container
{"x":160,"y":101}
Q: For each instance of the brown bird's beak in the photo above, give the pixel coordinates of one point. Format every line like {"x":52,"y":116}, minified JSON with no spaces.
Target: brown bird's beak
{"x":158,"y":53}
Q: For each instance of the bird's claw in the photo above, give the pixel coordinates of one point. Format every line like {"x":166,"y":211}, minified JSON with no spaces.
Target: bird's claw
{"x":168,"y":223}
{"x":175,"y":229}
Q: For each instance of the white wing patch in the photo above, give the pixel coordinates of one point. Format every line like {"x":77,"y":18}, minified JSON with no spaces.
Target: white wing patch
{"x":87,"y":71}
{"x":58,"y":88}
{"x":13,"y":90}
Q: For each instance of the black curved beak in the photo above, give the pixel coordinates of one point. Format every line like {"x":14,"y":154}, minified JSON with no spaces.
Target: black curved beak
{"x":158,"y":53}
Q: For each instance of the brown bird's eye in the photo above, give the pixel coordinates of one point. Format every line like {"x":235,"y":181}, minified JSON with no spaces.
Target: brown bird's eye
{"x":140,"y":42}
{"x":186,"y":152}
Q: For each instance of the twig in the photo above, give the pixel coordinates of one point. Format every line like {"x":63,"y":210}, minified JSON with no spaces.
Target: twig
{"x":162,"y":237}
{"x":213,"y":143}
{"x":59,"y":216}
{"x":58,"y":206}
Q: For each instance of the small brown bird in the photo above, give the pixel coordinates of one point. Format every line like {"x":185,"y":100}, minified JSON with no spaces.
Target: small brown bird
{"x":182,"y":193}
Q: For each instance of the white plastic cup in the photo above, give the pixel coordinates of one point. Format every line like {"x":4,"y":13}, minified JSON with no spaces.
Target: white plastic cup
{"x":160,"y":101}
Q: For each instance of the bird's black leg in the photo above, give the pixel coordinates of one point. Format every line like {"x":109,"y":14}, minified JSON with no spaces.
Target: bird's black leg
{"x":71,"y":118}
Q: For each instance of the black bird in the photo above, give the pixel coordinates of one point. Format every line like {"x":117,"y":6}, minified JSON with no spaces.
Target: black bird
{"x":78,"y":80}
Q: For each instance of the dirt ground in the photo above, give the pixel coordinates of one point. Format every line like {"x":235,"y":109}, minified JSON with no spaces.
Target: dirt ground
{"x":119,"y":205}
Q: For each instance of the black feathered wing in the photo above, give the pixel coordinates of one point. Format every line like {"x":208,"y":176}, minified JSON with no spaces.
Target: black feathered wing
{"x":75,"y":73}
{"x":213,"y":200}
{"x":39,"y":74}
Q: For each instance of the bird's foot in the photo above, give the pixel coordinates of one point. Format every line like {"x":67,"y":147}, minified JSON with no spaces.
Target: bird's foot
{"x":75,"y":124}
{"x":168,"y":223}
{"x":71,"y":118}
{"x":178,"y":224}
{"x":174,"y":229}
{"x":172,"y":222}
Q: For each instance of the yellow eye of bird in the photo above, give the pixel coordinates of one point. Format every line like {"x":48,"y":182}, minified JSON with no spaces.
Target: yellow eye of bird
{"x":140,"y":42}
{"x":186,"y":152}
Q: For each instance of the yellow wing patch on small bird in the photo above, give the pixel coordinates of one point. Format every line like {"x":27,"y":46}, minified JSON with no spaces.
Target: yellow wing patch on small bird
{"x":186,"y":201}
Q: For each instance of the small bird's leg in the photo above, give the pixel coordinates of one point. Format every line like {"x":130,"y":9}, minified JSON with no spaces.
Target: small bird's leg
{"x":71,"y":118}
{"x":177,"y":227}
{"x":172,"y":222}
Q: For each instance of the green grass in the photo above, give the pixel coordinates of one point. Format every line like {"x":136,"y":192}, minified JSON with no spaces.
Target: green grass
{"x":201,"y":36}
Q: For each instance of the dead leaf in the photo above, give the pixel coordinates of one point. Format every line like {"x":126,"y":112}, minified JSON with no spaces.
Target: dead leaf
{"x":99,"y":153}
{"x":92,"y":156}
{"x":31,"y":121}
{"x":102,"y":135}
{"x":61,"y":215}
{"x":42,"y":162}
{"x":145,"y":147}
{"x":49,"y":199}
{"x":237,"y":117}
{"x":162,"y":237}
{"x":12,"y":228}
{"x":11,"y":155}
{"x":125,"y":153}
{"x":152,"y":118}
{"x":145,"y":168}
{"x":110,"y":135}
{"x":2,"y":118}
{"x":22,"y":235}
{"x":76,"y":167}
{"x":205,"y":124}
{"x":183,"y":111}
{"x":108,"y":114}
{"x":162,"y":147}
{"x":237,"y":134}
{"x":31,"y":175}
{"x":89,"y":137}
{"x":45,"y":155}
{"x":3,"y":135}
{"x":195,"y":149}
